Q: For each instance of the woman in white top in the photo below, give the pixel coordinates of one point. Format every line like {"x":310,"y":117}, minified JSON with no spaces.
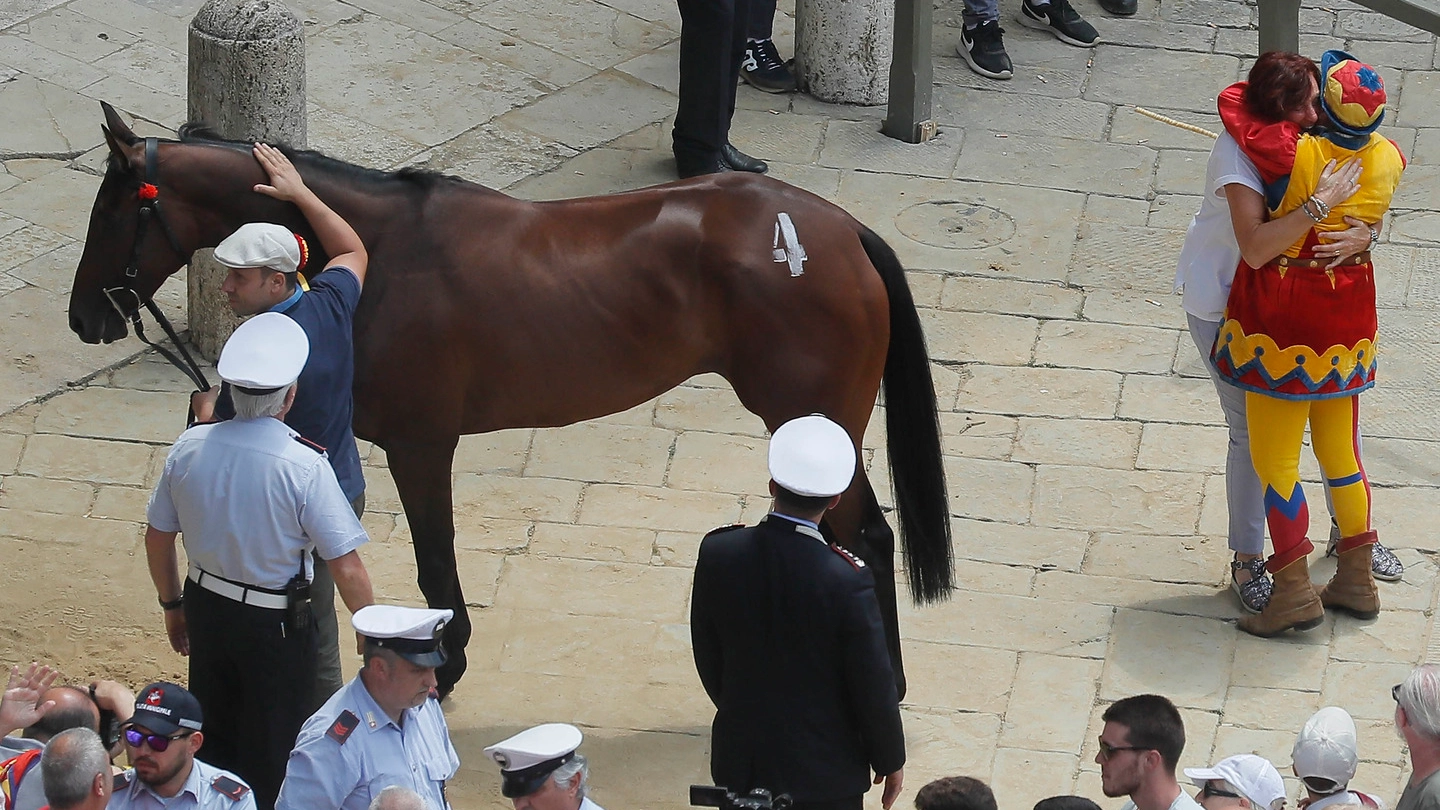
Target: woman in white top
{"x":1206,"y":268}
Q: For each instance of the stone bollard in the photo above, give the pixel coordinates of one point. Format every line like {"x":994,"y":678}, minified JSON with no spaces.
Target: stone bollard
{"x":843,"y":49}
{"x":247,"y":82}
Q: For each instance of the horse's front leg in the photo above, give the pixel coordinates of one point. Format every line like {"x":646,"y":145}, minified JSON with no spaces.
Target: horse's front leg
{"x":422,"y":477}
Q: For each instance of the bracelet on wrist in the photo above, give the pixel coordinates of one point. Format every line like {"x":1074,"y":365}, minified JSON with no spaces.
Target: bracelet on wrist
{"x":1305,"y":206}
{"x":173,"y":604}
{"x":1320,"y":206}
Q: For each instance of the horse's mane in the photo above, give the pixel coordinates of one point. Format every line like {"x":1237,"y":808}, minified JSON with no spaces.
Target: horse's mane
{"x":422,"y":179}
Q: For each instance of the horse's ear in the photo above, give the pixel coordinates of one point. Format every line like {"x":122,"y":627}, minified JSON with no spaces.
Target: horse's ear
{"x":117,"y":125}
{"x":125,"y":158}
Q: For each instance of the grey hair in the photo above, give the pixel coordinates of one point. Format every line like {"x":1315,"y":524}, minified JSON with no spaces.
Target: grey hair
{"x":563,"y":774}
{"x":255,"y":406}
{"x":1231,"y":787}
{"x":399,"y":797}
{"x":1419,"y":696}
{"x":69,"y":765}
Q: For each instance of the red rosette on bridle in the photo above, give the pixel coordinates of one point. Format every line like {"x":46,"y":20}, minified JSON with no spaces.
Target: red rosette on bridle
{"x":148,"y":191}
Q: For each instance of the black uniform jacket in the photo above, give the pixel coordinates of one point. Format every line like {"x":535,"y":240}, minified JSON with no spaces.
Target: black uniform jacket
{"x":788,"y":642}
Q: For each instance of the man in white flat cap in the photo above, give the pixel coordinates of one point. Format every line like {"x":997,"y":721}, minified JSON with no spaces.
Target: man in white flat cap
{"x":541,"y":770}
{"x":788,"y":641}
{"x":1325,"y":757}
{"x":1245,"y":781}
{"x":267,"y":264}
{"x":253,"y":500}
{"x":383,"y":728}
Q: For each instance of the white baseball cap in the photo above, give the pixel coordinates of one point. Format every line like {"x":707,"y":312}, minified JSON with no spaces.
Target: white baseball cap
{"x":264,"y":354}
{"x":812,"y":456}
{"x":1326,"y":748}
{"x":1254,"y":776}
{"x":261,"y":244}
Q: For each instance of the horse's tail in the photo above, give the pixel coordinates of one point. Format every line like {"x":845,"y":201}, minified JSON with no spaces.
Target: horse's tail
{"x":912,"y":431}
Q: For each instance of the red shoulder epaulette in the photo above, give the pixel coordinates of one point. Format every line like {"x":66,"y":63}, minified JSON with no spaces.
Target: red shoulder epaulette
{"x":849,"y":556}
{"x":346,"y":723}
{"x":721,"y":530}
{"x":312,"y":445}
{"x":233,"y":788}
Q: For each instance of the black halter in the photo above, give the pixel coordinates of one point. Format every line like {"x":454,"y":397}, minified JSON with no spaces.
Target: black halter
{"x":150,"y":209}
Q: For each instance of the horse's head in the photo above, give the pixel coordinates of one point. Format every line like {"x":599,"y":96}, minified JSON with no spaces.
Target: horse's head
{"x":124,"y":261}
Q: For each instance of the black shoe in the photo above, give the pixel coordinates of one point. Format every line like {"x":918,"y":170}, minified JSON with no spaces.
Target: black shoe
{"x":984,"y":50}
{"x":1060,"y":19}
{"x":763,"y":69}
{"x":733,"y":158}
{"x":1120,"y":8}
{"x":692,"y":165}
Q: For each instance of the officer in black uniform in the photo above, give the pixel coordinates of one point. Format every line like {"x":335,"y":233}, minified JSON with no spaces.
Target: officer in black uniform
{"x":712,"y":45}
{"x":788,"y":641}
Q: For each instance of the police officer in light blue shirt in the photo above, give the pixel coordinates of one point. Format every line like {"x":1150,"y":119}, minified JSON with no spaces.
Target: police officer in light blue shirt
{"x":541,"y":770}
{"x":161,"y":739}
{"x":252,"y":498}
{"x":384,"y":727}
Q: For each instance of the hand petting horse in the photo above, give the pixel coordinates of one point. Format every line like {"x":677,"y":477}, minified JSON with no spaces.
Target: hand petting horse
{"x":482,"y":312}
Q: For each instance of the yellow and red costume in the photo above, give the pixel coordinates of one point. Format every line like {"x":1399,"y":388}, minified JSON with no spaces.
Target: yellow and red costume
{"x":1300,"y":338}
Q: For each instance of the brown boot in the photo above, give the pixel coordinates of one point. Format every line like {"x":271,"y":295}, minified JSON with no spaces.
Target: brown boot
{"x":1352,"y":589}
{"x":1293,"y":604}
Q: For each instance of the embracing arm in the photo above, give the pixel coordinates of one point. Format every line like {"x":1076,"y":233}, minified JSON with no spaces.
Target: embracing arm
{"x":1262,"y":240}
{"x":336,"y":235}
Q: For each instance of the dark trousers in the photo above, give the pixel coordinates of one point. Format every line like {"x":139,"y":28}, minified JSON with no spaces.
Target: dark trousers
{"x":254,"y":678}
{"x":712,"y":43}
{"x":762,"y":19}
{"x":328,"y":674}
{"x":850,"y":803}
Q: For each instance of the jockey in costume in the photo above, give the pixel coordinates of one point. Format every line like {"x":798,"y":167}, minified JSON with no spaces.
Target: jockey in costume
{"x":1300,"y":339}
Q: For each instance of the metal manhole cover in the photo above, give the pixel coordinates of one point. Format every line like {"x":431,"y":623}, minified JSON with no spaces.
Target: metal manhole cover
{"x":955,"y":225}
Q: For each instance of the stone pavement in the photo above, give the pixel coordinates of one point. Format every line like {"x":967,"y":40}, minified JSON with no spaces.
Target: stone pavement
{"x":1041,"y":227}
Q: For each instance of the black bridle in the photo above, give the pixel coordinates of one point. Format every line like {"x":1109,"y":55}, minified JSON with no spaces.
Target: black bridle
{"x":150,"y":209}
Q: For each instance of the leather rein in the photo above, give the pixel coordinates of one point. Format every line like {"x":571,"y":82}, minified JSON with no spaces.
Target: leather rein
{"x":149,"y":195}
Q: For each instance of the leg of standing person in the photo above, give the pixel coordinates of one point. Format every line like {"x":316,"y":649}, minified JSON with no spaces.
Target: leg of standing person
{"x":1244,"y":498}
{"x":762,"y":67}
{"x":275,"y":695}
{"x":712,"y":40}
{"x":213,"y":678}
{"x":982,"y":42}
{"x":1277,"y":431}
{"x":1333,"y":431}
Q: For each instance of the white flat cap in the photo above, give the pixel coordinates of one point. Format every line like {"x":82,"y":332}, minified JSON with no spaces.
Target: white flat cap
{"x":412,"y":633}
{"x":264,"y":354}
{"x":812,"y":456}
{"x":529,"y":757}
{"x":261,"y":244}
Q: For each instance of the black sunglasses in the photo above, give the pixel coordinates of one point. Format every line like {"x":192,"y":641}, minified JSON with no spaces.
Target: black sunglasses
{"x":1210,"y":790}
{"x":1107,"y":750}
{"x":157,"y":742}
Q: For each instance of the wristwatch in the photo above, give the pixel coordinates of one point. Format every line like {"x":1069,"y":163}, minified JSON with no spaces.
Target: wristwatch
{"x":1374,"y":235}
{"x":173,"y":604}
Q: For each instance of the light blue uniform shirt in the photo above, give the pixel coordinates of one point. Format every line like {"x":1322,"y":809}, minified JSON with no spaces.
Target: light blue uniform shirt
{"x":325,"y":773}
{"x":199,"y":792}
{"x":252,"y":500}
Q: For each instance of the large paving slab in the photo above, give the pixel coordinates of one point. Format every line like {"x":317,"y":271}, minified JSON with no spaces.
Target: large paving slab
{"x":1081,"y":434}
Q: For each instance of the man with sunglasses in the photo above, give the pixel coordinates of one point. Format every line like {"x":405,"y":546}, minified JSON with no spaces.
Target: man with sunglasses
{"x":1140,"y":746}
{"x":161,"y":740}
{"x":1417,"y":718}
{"x":1246,"y":781}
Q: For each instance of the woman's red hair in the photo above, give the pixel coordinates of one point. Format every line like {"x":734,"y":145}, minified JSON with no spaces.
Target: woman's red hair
{"x":1279,"y":84}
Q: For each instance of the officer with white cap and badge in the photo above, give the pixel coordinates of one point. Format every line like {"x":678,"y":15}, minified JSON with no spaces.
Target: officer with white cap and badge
{"x":253,"y":499}
{"x":788,"y":641}
{"x":383,"y":728}
{"x":541,"y":770}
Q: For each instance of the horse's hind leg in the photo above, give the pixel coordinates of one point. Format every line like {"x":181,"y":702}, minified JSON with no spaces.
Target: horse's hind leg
{"x":422,"y":477}
{"x":859,"y":525}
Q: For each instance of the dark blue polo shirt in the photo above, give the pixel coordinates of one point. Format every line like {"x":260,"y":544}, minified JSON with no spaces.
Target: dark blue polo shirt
{"x":324,"y":407}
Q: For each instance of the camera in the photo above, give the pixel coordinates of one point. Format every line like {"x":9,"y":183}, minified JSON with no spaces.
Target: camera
{"x":757,"y":799}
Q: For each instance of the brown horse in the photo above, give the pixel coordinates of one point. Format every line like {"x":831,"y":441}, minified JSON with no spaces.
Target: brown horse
{"x":483,"y":312}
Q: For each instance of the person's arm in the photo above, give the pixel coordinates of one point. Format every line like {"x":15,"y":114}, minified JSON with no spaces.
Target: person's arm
{"x":21,"y":707}
{"x":704,"y":637}
{"x":164,"y":567}
{"x":352,"y":580}
{"x":1341,"y":245}
{"x":873,"y":699}
{"x":893,"y":783}
{"x":336,"y":236}
{"x":1262,"y":239}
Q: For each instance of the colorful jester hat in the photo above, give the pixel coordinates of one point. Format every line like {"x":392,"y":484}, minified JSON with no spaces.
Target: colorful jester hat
{"x":1353,"y":95}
